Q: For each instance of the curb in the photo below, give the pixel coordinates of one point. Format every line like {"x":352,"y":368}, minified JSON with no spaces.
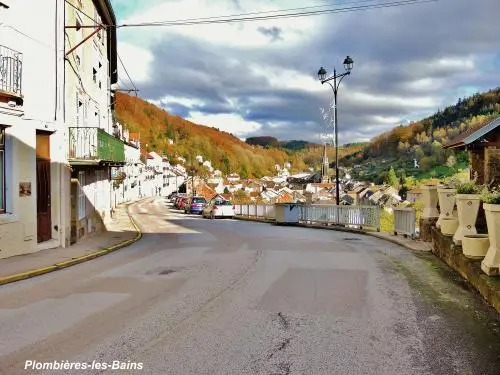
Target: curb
{"x":68,"y":263}
{"x":341,"y":229}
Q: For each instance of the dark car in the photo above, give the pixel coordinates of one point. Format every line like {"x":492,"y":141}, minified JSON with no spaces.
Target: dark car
{"x":195,"y":205}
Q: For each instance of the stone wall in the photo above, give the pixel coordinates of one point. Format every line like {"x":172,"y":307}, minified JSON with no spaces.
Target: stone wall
{"x":492,"y":166}
{"x":444,"y":248}
{"x":476,"y":160}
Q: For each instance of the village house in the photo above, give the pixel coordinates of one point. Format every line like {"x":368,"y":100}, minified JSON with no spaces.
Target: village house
{"x":95,"y":141}
{"x":34,"y":173}
{"x":483,"y":145}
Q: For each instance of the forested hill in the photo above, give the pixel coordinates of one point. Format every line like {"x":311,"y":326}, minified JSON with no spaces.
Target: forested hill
{"x":226,"y":152}
{"x":423,"y":140}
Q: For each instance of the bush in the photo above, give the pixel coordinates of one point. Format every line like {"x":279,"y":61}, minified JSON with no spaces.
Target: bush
{"x":468,"y":188}
{"x":491,"y":197}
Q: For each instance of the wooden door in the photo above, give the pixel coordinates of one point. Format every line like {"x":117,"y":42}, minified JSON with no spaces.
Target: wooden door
{"x":44,"y":221}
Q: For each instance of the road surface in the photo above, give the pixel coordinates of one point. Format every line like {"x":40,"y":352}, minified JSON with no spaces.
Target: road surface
{"x":200,"y":296}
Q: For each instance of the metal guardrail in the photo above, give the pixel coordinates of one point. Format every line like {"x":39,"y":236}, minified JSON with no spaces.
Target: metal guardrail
{"x":360,"y":216}
{"x":405,"y":221}
{"x":86,"y":143}
{"x":11,"y":64}
{"x":263,"y":211}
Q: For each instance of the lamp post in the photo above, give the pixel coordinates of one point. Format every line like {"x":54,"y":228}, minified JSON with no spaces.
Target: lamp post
{"x":322,"y":75}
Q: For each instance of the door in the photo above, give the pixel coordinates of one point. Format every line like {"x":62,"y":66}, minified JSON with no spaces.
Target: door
{"x":44,"y":222}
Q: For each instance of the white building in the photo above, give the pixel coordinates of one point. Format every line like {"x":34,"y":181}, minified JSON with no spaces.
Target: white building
{"x":95,"y":145}
{"x":34,"y":175}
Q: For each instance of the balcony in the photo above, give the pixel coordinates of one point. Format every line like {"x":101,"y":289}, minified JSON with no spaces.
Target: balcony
{"x":93,"y":146}
{"x":11,"y":63}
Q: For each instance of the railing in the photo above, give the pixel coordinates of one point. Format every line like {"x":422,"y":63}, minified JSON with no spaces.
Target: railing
{"x":11,"y":63}
{"x":360,"y":216}
{"x":94,"y":144}
{"x":263,"y":211}
{"x":404,"y":221}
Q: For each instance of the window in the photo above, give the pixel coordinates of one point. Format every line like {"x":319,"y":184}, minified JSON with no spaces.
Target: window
{"x":2,"y":169}
{"x":94,"y":75}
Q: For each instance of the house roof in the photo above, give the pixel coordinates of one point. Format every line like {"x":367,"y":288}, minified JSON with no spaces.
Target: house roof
{"x":473,"y":135}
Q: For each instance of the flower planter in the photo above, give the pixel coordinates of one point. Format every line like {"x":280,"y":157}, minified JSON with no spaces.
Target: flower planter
{"x":491,"y":262}
{"x":475,"y":246}
{"x":430,"y":199}
{"x":446,"y":197}
{"x":449,"y":226}
{"x":467,"y":208}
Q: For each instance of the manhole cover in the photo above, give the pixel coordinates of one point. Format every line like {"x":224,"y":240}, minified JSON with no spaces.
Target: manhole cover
{"x":351,"y":239}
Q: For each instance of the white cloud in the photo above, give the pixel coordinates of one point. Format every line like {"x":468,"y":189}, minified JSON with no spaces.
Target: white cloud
{"x":231,"y":123}
{"x":137,"y":60}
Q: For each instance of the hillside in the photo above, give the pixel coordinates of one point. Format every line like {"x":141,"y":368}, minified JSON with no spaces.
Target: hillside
{"x":226,"y":152}
{"x":423,"y":140}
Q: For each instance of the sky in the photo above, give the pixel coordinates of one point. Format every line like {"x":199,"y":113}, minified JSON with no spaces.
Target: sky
{"x":260,"y":78}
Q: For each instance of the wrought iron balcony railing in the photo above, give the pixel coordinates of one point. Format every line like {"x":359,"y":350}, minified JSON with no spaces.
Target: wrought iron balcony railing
{"x":94,"y":146}
{"x":11,"y":64}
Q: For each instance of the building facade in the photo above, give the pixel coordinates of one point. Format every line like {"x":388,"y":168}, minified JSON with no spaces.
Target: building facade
{"x":34,"y":174}
{"x":95,"y":146}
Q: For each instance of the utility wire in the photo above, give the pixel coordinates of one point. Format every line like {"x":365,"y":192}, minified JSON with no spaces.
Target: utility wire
{"x":126,"y":72}
{"x":228,"y":19}
{"x":82,"y":12}
{"x":267,"y":11}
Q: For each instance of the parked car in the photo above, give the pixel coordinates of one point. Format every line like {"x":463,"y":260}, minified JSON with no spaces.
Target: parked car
{"x":180,"y":202}
{"x":195,"y":205}
{"x":218,"y":208}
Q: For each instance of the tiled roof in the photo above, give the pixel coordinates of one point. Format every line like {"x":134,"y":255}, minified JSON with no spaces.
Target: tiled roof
{"x":473,"y":134}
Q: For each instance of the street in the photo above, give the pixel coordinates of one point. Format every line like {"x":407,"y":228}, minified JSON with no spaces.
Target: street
{"x":201,"y":296}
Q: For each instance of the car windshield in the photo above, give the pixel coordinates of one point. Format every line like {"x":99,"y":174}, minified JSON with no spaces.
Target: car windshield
{"x":223,"y":203}
{"x":199,"y":200}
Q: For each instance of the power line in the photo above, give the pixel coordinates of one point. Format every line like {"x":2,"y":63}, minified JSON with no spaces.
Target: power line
{"x":126,"y":72}
{"x":82,"y":12}
{"x":268,"y":11}
{"x":228,"y":19}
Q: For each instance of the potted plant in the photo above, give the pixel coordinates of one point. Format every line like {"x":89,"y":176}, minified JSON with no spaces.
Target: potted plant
{"x":446,"y":197}
{"x":491,"y":262}
{"x":468,"y":200}
{"x":430,"y":199}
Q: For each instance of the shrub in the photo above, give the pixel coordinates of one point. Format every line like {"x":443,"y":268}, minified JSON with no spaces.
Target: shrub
{"x":468,"y":188}
{"x":491,"y":197}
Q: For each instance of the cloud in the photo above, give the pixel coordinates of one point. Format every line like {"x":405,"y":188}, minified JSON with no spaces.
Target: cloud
{"x":259,"y":78}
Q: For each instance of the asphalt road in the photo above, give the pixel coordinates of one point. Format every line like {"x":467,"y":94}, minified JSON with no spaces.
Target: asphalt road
{"x":200,"y":296}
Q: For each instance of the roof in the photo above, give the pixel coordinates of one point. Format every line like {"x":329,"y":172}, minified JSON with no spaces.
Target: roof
{"x":105,"y":10}
{"x":473,"y":135}
{"x":134,"y":136}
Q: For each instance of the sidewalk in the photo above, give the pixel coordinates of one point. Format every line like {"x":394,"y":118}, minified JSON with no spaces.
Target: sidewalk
{"x":121,"y":232}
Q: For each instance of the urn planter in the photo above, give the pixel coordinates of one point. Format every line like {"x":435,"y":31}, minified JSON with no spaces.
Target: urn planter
{"x":467,"y":208}
{"x":449,"y":226}
{"x":491,"y":262}
{"x":475,"y":246}
{"x":446,"y":197}
{"x":430,"y":199}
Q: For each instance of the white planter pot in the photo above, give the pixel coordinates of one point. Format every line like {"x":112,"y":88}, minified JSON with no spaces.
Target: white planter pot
{"x":430,"y":199}
{"x":467,"y":208}
{"x":449,"y":226}
{"x":491,"y":262}
{"x":446,"y":199}
{"x":475,"y":246}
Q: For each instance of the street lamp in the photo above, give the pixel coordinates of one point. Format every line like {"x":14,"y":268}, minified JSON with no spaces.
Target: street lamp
{"x":322,"y":75}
